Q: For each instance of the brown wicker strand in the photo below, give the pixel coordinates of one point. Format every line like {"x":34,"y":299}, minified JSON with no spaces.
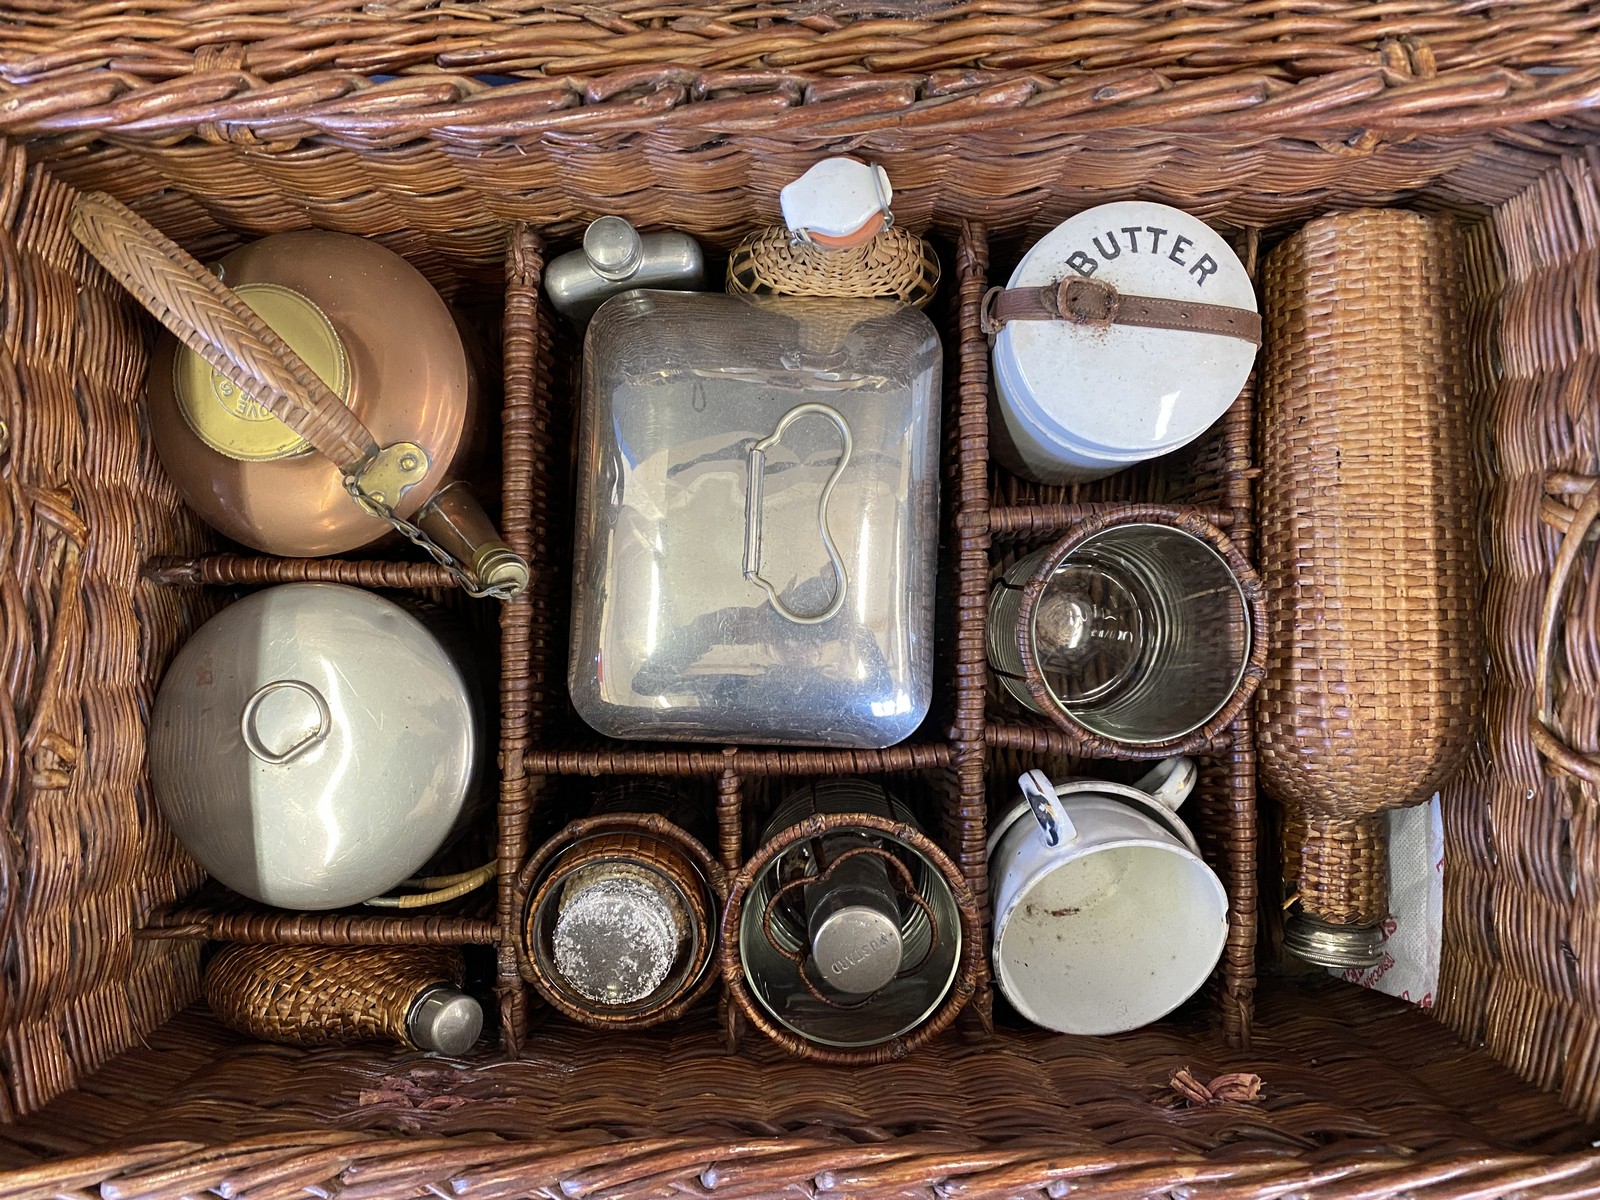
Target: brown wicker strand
{"x":895,"y":263}
{"x":207,"y":317}
{"x":525,"y":513}
{"x":228,"y":570}
{"x":1344,"y":868}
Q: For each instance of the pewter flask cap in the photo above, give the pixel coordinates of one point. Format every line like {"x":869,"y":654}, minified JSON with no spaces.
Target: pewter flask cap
{"x":445,"y":1021}
{"x":858,"y":948}
{"x":614,"y":247}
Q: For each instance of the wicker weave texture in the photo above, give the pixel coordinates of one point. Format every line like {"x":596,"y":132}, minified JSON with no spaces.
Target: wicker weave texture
{"x":82,"y":502}
{"x":278,"y":41}
{"x":895,"y":263}
{"x":312,"y":995}
{"x":223,"y":126}
{"x":669,"y":1111}
{"x":1368,"y":517}
{"x":1520,"y":930}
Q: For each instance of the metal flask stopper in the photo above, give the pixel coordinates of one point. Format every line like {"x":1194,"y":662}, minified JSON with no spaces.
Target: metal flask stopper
{"x":616,"y":258}
{"x":849,"y":935}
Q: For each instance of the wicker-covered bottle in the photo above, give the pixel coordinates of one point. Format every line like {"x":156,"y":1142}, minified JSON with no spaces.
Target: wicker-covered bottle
{"x":838,"y":239}
{"x":314,"y":995}
{"x":1369,"y":553}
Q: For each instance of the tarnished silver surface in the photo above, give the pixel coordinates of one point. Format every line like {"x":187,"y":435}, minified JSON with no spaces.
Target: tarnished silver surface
{"x":757,"y":520}
{"x":312,"y":745}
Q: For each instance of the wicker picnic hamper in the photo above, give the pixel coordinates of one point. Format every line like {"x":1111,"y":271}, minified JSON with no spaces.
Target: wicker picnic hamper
{"x":477,"y":139}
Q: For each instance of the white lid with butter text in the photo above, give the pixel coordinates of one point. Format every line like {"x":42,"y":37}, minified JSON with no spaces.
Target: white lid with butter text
{"x":1119,"y":394}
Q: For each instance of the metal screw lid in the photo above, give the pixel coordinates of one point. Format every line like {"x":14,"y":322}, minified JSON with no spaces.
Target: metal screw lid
{"x":858,"y":949}
{"x":445,"y":1020}
{"x":616,"y":937}
{"x":498,"y":565}
{"x":613,"y":247}
{"x":1339,"y":946}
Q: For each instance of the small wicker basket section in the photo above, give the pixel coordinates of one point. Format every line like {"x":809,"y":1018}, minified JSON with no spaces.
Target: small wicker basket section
{"x":1374,"y":687}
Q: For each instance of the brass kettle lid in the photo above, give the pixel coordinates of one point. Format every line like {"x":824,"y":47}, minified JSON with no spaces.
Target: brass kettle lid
{"x":226,"y":417}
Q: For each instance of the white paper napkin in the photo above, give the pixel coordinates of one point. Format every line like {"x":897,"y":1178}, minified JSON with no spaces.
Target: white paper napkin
{"x":1410,"y":966}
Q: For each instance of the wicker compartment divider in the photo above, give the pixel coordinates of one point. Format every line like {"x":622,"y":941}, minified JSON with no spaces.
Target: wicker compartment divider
{"x":994,"y":126}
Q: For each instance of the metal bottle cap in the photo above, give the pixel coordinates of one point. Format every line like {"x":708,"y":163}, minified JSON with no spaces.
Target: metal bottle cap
{"x":616,"y":937}
{"x":1342,"y":947}
{"x":613,"y":247}
{"x":840,"y":202}
{"x":858,"y":949}
{"x":497,"y":565}
{"x":223,"y":415}
{"x":445,"y":1020}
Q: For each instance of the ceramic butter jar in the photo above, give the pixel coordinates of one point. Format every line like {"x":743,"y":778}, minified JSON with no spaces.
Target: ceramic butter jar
{"x":757,"y":520}
{"x":1123,"y":335}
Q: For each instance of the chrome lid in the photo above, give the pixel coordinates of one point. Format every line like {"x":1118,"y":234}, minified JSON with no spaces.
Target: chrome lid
{"x":445,"y":1021}
{"x":859,"y":948}
{"x":1342,"y":947}
{"x":613,"y":247}
{"x":312,"y":745}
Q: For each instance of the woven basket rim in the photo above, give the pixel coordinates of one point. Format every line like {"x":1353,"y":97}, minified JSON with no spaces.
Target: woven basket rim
{"x":1352,"y":110}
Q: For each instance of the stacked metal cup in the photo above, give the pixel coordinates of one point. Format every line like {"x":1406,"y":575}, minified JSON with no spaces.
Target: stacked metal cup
{"x":850,"y":926}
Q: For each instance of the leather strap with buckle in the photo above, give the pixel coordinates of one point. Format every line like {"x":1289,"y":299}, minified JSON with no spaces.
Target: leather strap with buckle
{"x":1096,"y":304}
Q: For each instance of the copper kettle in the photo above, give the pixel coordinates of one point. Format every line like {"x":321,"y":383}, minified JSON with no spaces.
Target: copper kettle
{"x":314,"y":398}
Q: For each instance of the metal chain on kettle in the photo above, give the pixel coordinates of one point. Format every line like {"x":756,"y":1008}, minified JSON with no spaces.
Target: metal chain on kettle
{"x":465,"y":580}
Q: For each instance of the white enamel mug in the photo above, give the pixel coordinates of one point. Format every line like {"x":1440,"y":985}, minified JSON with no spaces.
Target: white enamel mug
{"x":1106,"y":917}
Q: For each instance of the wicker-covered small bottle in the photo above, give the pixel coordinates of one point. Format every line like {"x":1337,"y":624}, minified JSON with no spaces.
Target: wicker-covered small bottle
{"x":314,"y":995}
{"x":838,"y":239}
{"x":1368,"y":550}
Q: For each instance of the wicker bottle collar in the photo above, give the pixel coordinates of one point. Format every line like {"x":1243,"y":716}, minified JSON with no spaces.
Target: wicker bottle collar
{"x":1096,"y":303}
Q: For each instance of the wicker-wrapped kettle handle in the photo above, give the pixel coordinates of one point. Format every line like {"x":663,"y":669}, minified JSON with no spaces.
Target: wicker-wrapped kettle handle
{"x":208,"y":318}
{"x":1575,"y":527}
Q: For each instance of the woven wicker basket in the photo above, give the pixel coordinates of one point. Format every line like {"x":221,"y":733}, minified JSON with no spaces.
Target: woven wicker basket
{"x":471,"y":138}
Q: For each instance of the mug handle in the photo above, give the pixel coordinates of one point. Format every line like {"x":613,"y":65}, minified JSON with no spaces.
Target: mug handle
{"x":1171,"y":781}
{"x":1047,"y":808}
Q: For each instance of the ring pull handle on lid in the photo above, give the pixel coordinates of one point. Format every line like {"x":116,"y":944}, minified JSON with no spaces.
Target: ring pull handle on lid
{"x":1170,"y":782}
{"x":1542,"y":726}
{"x":753,"y":507}
{"x":265,"y":729}
{"x":1096,"y":304}
{"x":1047,"y":808}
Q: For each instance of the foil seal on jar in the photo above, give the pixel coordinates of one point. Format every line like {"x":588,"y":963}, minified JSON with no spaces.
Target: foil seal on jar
{"x":1123,"y":335}
{"x":313,"y":745}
